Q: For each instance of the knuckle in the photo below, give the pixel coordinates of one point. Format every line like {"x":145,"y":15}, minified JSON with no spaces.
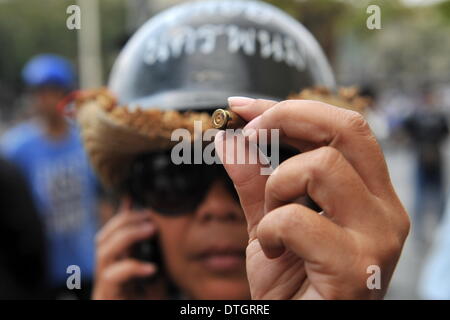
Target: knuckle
{"x":275,"y":186}
{"x":405,"y":226}
{"x":278,"y":221}
{"x":266,"y":115}
{"x":259,"y":101}
{"x":329,"y":154}
{"x":290,"y":106}
{"x":318,"y":104}
{"x":326,"y":157}
{"x":390,"y":252}
{"x":395,"y":248}
{"x":280,"y":108}
{"x":271,"y":187}
{"x":288,"y":218}
{"x":356,"y":122}
{"x":401,"y":222}
{"x":283,"y":104}
{"x":403,"y":232}
{"x":265,"y":226}
{"x":401,"y":227}
{"x":386,"y":254}
{"x":313,"y":104}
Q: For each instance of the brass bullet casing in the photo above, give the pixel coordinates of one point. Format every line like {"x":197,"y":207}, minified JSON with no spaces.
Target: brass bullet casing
{"x":225,"y":119}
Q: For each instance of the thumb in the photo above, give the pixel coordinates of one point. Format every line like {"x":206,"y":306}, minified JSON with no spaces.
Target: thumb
{"x":246,"y":175}
{"x":311,"y":236}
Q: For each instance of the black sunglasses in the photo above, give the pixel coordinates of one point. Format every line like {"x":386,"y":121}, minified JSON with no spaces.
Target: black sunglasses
{"x":154,"y":181}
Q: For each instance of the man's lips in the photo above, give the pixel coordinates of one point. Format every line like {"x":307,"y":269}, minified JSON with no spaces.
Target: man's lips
{"x":224,"y":259}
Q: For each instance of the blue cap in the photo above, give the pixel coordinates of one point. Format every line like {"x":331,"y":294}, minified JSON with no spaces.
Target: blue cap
{"x":49,"y":69}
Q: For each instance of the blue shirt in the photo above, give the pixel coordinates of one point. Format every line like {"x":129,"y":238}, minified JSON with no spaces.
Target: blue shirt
{"x":64,"y":190}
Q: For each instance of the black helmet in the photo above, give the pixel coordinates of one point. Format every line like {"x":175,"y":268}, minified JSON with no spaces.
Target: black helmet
{"x":195,"y":55}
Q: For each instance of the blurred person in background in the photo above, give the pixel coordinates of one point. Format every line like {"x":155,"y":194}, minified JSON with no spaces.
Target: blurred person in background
{"x":50,"y":154}
{"x":22,"y":243}
{"x":427,"y":128}
{"x":375,"y":117}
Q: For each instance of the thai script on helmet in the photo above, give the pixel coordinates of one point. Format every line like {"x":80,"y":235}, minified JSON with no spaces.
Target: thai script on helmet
{"x":204,"y":39}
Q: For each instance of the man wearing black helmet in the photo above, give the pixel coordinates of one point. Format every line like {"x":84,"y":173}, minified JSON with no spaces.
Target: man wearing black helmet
{"x":229,"y":232}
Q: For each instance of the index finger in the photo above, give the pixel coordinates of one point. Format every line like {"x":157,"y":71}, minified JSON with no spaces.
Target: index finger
{"x":317,"y":124}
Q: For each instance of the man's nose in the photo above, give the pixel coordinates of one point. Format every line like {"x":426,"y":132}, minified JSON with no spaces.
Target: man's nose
{"x":219,"y":204}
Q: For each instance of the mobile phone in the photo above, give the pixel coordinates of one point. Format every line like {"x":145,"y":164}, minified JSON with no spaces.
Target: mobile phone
{"x":147,"y":250}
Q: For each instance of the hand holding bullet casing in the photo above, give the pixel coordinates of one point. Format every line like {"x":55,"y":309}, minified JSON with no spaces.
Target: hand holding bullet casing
{"x":225,"y":119}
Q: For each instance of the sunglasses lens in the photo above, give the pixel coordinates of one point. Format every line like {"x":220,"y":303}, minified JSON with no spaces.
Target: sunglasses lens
{"x":171,"y":192}
{"x":156,"y":182}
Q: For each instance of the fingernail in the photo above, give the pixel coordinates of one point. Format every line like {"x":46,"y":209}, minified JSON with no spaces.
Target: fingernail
{"x":239,"y":101}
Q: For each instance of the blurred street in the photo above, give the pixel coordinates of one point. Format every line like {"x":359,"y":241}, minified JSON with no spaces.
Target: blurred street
{"x":406,"y":277}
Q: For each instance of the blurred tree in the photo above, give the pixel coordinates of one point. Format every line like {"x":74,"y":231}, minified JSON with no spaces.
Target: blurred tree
{"x":444,"y":10}
{"x":32,"y":27}
{"x":27,"y":30}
